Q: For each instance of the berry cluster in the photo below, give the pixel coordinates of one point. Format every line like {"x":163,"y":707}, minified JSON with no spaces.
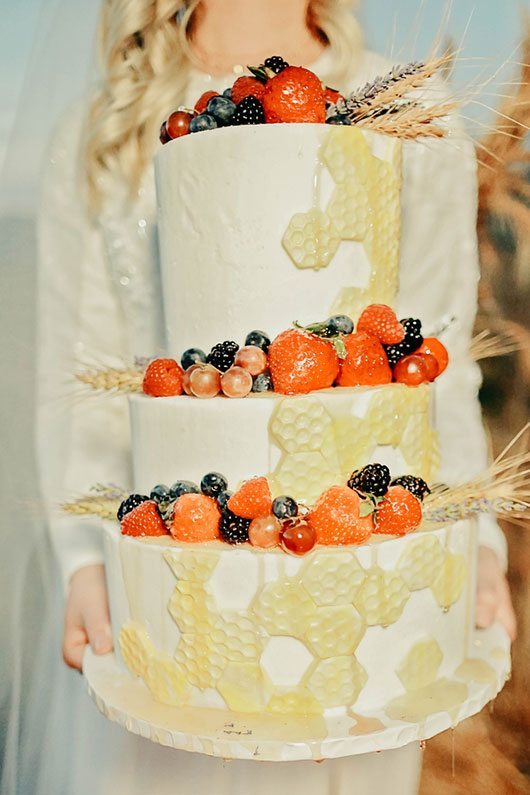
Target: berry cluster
{"x":273,"y":92}
{"x":370,"y":503}
{"x":304,"y":359}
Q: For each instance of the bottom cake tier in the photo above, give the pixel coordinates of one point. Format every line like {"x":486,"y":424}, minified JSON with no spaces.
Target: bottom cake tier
{"x":378,"y":626}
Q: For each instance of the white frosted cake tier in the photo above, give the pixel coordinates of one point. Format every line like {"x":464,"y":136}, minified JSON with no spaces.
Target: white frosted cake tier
{"x":262,"y":225}
{"x":302,"y":443}
{"x":377,"y":627}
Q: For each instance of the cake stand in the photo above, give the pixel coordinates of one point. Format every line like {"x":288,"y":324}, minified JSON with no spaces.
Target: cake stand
{"x":281,"y":738}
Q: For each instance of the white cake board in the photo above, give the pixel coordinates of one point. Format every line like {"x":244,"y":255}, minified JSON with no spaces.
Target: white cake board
{"x":269,"y":737}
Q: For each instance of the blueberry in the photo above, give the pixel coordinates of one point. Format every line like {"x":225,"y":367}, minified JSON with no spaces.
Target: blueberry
{"x":183,"y":487}
{"x":222,"y":499}
{"x":222,"y":109}
{"x":160,"y":493}
{"x":228,"y":92}
{"x":259,"y":339}
{"x":284,"y":507}
{"x":262,"y":383}
{"x":192,"y":356}
{"x":340,"y":324}
{"x":129,"y":504}
{"x":213,"y":484}
{"x":338,"y":120}
{"x":202,"y":122}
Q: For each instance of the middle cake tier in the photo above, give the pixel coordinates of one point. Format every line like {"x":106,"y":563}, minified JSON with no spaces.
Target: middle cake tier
{"x":303,"y":444}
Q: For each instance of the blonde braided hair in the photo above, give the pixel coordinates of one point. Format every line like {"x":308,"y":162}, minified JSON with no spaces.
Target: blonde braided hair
{"x":145,"y":58}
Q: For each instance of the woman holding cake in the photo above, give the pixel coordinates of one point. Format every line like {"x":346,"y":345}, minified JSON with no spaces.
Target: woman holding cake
{"x":99,"y":273}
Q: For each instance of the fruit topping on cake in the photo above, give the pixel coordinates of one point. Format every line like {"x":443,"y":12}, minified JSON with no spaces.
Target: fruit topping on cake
{"x":252,"y":358}
{"x":144,"y":520}
{"x":223,"y":354}
{"x":196,"y":518}
{"x":275,"y":64}
{"x":252,"y":500}
{"x":265,"y":532}
{"x":213,"y":483}
{"x":204,"y":380}
{"x":284,"y":507}
{"x":249,"y":111}
{"x":246,"y":86}
{"x":298,"y":536}
{"x":398,"y":513}
{"x":415,"y":485}
{"x":181,"y":487}
{"x":300,"y":362}
{"x":258,"y":339}
{"x":365,"y":363}
{"x":410,"y":343}
{"x":381,"y":321}
{"x":372,"y":479}
{"x":202,"y":103}
{"x":262,"y":383}
{"x":433,"y":347}
{"x":234,"y":529}
{"x":336,"y":518}
{"x":236,"y":382}
{"x":133,"y":501}
{"x":294,"y":95}
{"x":412,"y":370}
{"x":192,"y":356}
{"x":163,"y":378}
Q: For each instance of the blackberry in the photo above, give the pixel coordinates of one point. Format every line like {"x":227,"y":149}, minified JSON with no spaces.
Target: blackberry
{"x":413,"y":340}
{"x":259,"y":339}
{"x":234,"y":529}
{"x":131,"y":502}
{"x":213,"y":483}
{"x":223,"y":354}
{"x":284,"y":507}
{"x":276,"y":64}
{"x":416,"y":486}
{"x":371,"y":479}
{"x":192,"y":356}
{"x":262,"y":383}
{"x":249,"y":111}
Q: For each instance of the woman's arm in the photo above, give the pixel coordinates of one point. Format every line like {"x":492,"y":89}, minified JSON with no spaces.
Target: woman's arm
{"x":81,"y":439}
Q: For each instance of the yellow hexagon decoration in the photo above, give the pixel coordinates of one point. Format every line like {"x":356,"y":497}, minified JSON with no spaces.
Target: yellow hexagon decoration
{"x":299,"y":701}
{"x":192,"y":565}
{"x":450,"y":580}
{"x":311,"y":239}
{"x":355,"y":444}
{"x":136,"y":648}
{"x":334,"y":631}
{"x":347,"y":155}
{"x":198,"y":658}
{"x":332,"y":578}
{"x":389,"y":412}
{"x":300,"y":424}
{"x":284,"y":608}
{"x":304,"y":476}
{"x":166,"y":680}
{"x":337,"y":682}
{"x":349,"y":210}
{"x":420,"y":667}
{"x":242,"y":687}
{"x":235,"y":637}
{"x":421,"y":561}
{"x":190,"y":606}
{"x":381,"y":597}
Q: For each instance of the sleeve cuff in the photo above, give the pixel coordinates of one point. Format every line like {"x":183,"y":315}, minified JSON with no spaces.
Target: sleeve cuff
{"x":77,"y":542}
{"x":490,"y":535}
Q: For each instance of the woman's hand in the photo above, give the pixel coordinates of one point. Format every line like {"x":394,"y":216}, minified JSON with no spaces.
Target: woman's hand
{"x":494,"y":602}
{"x":86,"y":617}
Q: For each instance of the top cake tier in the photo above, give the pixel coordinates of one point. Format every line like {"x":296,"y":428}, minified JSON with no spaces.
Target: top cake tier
{"x":263,"y":225}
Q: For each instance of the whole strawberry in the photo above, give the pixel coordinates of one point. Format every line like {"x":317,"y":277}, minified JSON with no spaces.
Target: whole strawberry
{"x":144,"y":520}
{"x":246,"y":87}
{"x":398,"y":513}
{"x":336,"y":518}
{"x":294,"y":95}
{"x":300,"y":362}
{"x":163,"y":378}
{"x":381,"y":321}
{"x":252,"y":500}
{"x":196,"y":518}
{"x":365,"y":363}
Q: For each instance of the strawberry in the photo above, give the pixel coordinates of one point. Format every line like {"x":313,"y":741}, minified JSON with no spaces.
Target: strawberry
{"x":381,"y":321}
{"x":294,"y":95}
{"x":336,"y":518}
{"x":163,"y":378}
{"x":332,"y":95}
{"x":144,"y":520}
{"x":366,"y":363}
{"x":252,"y":500}
{"x":200,"y":105}
{"x":246,"y":87}
{"x":398,"y":513}
{"x":196,"y":517}
{"x":300,"y":362}
{"x":437,"y":349}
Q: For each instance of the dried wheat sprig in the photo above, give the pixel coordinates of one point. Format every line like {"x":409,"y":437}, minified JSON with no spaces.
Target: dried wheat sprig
{"x":487,"y":345}
{"x":411,"y":121}
{"x":102,"y":501}
{"x":124,"y":380}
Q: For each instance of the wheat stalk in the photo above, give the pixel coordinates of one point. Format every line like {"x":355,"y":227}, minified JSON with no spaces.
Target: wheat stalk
{"x":410,"y":121}
{"x":113,"y":379}
{"x":102,"y":501}
{"x":487,"y":345}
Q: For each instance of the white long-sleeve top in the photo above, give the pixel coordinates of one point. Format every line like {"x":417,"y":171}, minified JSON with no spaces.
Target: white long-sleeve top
{"x":100,"y":304}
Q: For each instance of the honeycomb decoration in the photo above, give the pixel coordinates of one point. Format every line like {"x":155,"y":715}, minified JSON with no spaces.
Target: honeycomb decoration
{"x":166,"y":680}
{"x":420,"y":667}
{"x":284,"y":608}
{"x":190,"y":606}
{"x":337,"y":681}
{"x":242,"y":687}
{"x":450,"y":580}
{"x":199,"y":659}
{"x":332,"y":578}
{"x":381,"y":597}
{"x":304,"y":476}
{"x":136,"y":648}
{"x":421,"y":562}
{"x":300,"y":425}
{"x":192,"y":564}
{"x":235,"y":637}
{"x":299,"y":701}
{"x":334,"y":631}
{"x":350,"y":211}
{"x":311,"y":239}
